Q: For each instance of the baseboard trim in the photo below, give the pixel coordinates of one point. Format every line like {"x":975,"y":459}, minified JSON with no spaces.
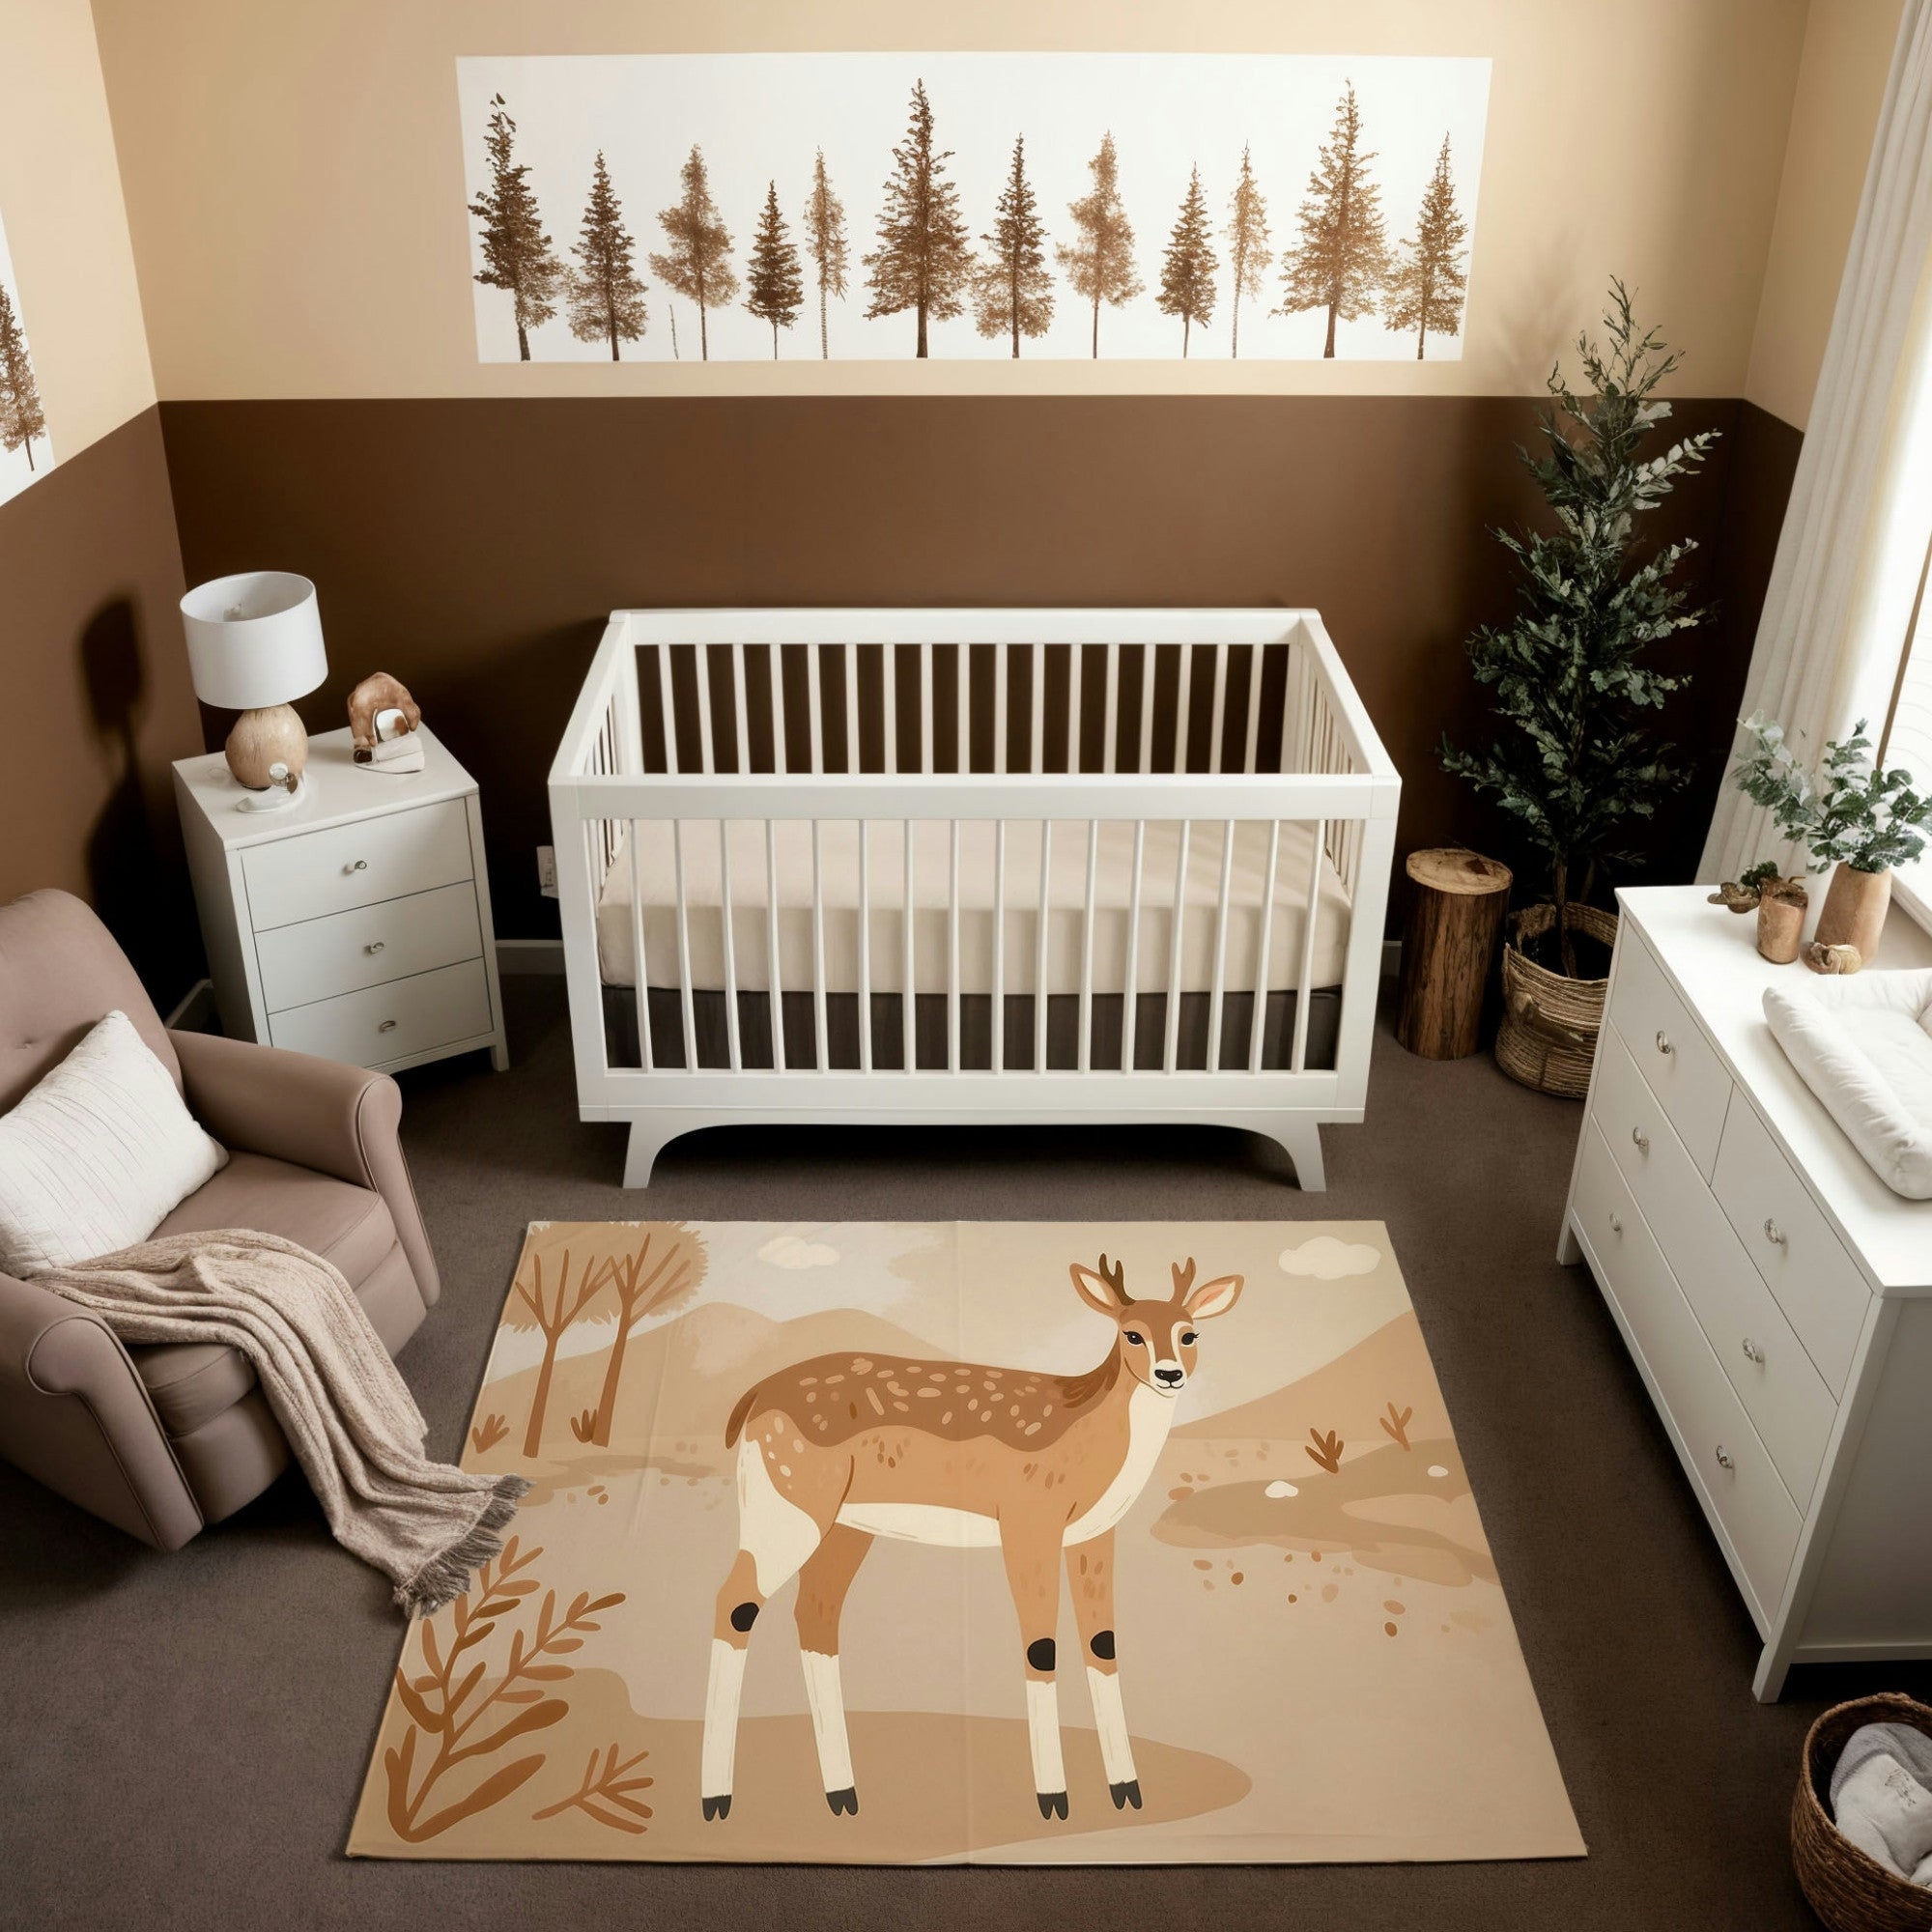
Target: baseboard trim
{"x":529,"y":956}
{"x":194,"y":1011}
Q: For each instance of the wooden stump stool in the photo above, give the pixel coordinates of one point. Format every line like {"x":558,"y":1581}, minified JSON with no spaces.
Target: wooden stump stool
{"x":1455,"y":917}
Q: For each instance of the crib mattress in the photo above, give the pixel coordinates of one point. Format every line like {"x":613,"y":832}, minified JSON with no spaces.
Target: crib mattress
{"x":1297,"y":862}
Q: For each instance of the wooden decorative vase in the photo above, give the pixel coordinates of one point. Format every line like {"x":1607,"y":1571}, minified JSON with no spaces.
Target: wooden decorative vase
{"x":1855,"y":909}
{"x":1780,"y":926}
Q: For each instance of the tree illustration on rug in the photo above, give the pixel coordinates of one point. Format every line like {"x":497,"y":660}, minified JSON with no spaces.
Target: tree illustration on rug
{"x":1342,"y":260}
{"x":825,"y":242}
{"x":1428,"y":282}
{"x":1101,"y":264}
{"x":551,"y":1318}
{"x":641,"y":1287}
{"x":924,"y":259}
{"x":698,"y":263}
{"x":1013,"y":290}
{"x":22,"y":417}
{"x":443,"y":1701}
{"x":604,"y":1794}
{"x":1187,"y":268}
{"x":606,"y":297}
{"x":1248,"y":250}
{"x":1325,"y":1450}
{"x":777,"y":288}
{"x":517,"y":255}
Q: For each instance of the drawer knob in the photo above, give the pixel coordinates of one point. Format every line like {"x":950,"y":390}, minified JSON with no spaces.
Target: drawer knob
{"x":388,"y":1026}
{"x":1641,"y":1139}
{"x":1724,"y":1457}
{"x":361,"y":866}
{"x":375,"y":946}
{"x":1616,"y":1222}
{"x":1664,"y":1044}
{"x":1752,"y":1352}
{"x":1772,"y":1233}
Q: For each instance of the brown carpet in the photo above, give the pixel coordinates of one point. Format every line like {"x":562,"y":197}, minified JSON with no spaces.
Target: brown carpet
{"x":186,"y":1735}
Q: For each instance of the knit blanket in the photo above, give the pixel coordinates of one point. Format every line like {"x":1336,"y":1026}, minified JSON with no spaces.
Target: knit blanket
{"x":348,"y":1417}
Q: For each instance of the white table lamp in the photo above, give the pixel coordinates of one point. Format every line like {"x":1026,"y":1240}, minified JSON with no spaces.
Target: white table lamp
{"x":254,"y":641}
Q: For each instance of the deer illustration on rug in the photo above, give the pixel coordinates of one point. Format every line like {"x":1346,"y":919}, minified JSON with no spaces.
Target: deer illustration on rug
{"x":841,"y":1449}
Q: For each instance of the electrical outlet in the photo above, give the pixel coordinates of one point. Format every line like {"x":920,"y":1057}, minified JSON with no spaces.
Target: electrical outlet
{"x":547,"y":870}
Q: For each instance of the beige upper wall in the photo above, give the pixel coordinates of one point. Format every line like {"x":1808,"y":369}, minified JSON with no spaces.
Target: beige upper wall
{"x":67,"y":228}
{"x":1840,"y":85}
{"x":295,"y":180}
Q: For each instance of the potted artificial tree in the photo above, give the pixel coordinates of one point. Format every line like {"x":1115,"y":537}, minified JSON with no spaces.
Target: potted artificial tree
{"x":1577,"y":760}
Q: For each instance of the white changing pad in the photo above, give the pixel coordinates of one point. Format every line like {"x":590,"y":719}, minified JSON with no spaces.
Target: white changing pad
{"x":1863,"y":1046}
{"x":931,"y":866}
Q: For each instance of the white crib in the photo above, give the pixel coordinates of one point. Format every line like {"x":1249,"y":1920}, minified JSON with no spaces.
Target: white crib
{"x":956,"y":867}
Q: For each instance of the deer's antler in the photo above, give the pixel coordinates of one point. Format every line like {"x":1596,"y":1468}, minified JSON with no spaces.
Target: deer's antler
{"x":1116,"y":1277}
{"x":1184,"y":1276}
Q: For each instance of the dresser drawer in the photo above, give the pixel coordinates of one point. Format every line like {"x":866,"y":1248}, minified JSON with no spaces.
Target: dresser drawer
{"x":1794,"y":1247}
{"x":321,"y":957}
{"x":1679,"y":1065}
{"x":1733,"y":1471}
{"x":393,"y":1021}
{"x":308,"y":875}
{"x":1782,"y":1393}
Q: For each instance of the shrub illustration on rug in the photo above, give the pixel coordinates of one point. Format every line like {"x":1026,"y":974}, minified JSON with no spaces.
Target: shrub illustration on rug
{"x":980,"y":1541}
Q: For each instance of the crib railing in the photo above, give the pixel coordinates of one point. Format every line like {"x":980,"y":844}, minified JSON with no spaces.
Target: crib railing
{"x":1207,"y":722}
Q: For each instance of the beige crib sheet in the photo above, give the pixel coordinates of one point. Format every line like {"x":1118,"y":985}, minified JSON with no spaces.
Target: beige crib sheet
{"x":931,"y":871}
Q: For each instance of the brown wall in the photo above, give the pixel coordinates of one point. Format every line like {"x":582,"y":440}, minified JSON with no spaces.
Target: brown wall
{"x":97,"y":701}
{"x":473,"y":547}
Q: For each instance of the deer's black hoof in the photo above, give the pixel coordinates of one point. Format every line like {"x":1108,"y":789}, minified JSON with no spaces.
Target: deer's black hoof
{"x":718,"y":1807}
{"x":1126,"y":1794}
{"x":842,"y":1801}
{"x":1051,"y":1803}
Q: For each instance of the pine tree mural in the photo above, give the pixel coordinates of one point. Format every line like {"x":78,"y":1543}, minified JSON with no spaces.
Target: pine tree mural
{"x":1427,"y":286}
{"x":22,"y":417}
{"x":1248,"y":250}
{"x":1015,"y":291}
{"x":825,"y":242}
{"x":777,"y":288}
{"x":1342,"y":259}
{"x":1101,"y":264}
{"x":606,"y":300}
{"x":517,"y":255}
{"x":924,"y":260}
{"x":698,"y":263}
{"x":1187,"y":268}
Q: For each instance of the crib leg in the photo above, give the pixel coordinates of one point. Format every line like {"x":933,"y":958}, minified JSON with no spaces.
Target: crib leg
{"x":1301,"y":1141}
{"x":648,"y":1139}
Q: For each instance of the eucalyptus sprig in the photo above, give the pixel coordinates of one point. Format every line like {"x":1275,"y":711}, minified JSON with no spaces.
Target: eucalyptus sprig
{"x":1851,"y":811}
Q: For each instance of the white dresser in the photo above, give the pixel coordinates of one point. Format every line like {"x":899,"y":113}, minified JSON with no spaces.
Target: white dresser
{"x":356,"y":924}
{"x":1775,"y":1296}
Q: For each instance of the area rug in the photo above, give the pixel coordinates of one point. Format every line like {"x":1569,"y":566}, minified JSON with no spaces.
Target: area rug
{"x":983,"y":1542}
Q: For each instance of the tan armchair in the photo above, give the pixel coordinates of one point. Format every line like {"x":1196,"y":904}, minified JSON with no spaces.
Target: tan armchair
{"x":161,"y":1440}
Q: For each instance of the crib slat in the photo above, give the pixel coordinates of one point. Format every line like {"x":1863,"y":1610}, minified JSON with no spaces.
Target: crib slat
{"x":1130,"y":986}
{"x":1168,"y":1059}
{"x":1219,"y":715}
{"x":999,"y":1051}
{"x":1087,"y":948}
{"x":1213,"y":1053}
{"x":953,"y":958}
{"x":1039,"y":946}
{"x":907,"y":999}
{"x":772,"y":972}
{"x":1149,"y":664}
{"x":814,"y":697}
{"x":821,"y":1041}
{"x":889,"y":658}
{"x":1001,"y":721}
{"x":852,"y":759}
{"x":1184,"y":700}
{"x":1038,"y":707}
{"x":642,"y":988}
{"x":669,"y":705}
{"x":1256,"y":653}
{"x":774,"y":682}
{"x":1112,"y":713}
{"x":684,"y":948}
{"x":926,"y":707}
{"x":1310,"y":920}
{"x":707,"y":750}
{"x":865,"y":944}
{"x":742,"y":761}
{"x":1076,"y":656}
{"x":726,"y":908}
{"x":1263,"y":959}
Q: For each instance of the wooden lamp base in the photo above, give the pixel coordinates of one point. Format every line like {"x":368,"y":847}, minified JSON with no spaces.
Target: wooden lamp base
{"x":260,"y":738}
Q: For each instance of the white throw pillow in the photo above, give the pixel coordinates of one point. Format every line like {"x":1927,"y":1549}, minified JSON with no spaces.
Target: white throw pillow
{"x":98,"y":1154}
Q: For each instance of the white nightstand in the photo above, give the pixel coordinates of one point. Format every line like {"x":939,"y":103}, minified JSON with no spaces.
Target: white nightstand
{"x":356,"y":924}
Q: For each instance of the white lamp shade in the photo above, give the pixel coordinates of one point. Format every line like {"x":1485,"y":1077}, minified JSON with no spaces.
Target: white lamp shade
{"x":253,"y":639}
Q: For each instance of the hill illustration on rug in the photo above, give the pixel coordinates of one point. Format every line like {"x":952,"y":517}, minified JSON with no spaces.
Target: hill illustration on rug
{"x":787,"y":1584}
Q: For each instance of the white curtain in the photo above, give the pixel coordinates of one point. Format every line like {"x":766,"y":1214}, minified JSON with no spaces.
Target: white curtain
{"x":1855,"y":534}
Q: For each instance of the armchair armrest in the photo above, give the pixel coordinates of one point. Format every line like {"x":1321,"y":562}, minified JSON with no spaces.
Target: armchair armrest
{"x":324,"y":1113}
{"x":74,"y":1415}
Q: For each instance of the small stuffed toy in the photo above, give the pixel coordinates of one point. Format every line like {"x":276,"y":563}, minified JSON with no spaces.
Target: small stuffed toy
{"x":378,"y":692}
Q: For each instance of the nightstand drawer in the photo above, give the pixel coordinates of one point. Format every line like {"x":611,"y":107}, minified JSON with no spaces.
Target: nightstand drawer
{"x":308,"y":875}
{"x":319,"y":958}
{"x":1679,"y":1065}
{"x":394,"y":1021}
{"x":1795,"y":1248}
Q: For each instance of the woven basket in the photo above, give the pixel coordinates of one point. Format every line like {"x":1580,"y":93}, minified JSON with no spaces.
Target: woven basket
{"x":1850,"y":1891}
{"x":1549,"y":1033}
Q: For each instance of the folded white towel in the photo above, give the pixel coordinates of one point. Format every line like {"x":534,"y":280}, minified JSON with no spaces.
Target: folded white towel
{"x":1882,"y":1798}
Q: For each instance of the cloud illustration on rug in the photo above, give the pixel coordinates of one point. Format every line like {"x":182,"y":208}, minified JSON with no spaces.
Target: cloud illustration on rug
{"x":794,"y":1251}
{"x":1325,"y":1258}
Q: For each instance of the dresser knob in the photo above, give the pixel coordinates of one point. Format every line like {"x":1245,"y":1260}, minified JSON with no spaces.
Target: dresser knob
{"x":388,"y":1026}
{"x":375,"y":946}
{"x":1772,"y":1233}
{"x":1723,"y":1457}
{"x":1616,"y":1222}
{"x":1752,"y":1352}
{"x":1664,"y":1044}
{"x":361,"y":866}
{"x":1641,"y":1139}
